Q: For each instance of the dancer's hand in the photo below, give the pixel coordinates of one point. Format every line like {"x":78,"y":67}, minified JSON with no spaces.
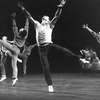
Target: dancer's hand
{"x":62,"y":3}
{"x":85,"y":26}
{"x":13,"y":15}
{"x":20,"y":4}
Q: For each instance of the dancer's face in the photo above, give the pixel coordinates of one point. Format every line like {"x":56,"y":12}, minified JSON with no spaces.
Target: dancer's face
{"x":4,"y":38}
{"x":45,"y":20}
{"x":22,"y":29}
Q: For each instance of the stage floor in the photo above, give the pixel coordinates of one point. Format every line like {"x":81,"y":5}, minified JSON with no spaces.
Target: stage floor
{"x":66,"y":86}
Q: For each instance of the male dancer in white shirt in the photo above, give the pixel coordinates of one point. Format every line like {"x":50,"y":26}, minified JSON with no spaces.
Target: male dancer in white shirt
{"x":44,"y":39}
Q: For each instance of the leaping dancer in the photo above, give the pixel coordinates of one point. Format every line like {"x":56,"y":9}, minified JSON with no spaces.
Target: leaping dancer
{"x":44,"y":39}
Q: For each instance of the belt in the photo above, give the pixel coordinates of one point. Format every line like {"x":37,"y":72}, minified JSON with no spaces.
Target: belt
{"x":44,"y":44}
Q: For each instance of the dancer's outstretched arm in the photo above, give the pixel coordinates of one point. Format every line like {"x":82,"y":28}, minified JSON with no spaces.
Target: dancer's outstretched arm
{"x":27,"y":27}
{"x":58,"y":13}
{"x":92,"y":32}
{"x":27,"y":14}
{"x":15,"y":28}
{"x":32,"y":46}
{"x":10,"y":41}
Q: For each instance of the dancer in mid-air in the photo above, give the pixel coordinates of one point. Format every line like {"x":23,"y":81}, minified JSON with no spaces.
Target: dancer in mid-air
{"x":19,"y":41}
{"x":44,"y":39}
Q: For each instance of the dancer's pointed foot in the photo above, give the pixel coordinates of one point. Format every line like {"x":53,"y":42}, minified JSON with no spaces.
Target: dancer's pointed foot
{"x":2,"y":78}
{"x":50,"y":88}
{"x":14,"y":81}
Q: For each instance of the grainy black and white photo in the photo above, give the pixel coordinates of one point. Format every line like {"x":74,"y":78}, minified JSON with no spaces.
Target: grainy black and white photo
{"x":49,"y":49}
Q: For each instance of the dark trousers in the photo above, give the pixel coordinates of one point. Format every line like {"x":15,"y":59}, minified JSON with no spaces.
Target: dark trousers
{"x":43,"y":51}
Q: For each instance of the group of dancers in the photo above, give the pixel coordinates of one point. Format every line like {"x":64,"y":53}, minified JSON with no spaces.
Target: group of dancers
{"x":89,"y":60}
{"x":43,"y":41}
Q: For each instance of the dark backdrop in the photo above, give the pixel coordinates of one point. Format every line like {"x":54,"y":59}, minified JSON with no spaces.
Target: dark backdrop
{"x":68,"y":31}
